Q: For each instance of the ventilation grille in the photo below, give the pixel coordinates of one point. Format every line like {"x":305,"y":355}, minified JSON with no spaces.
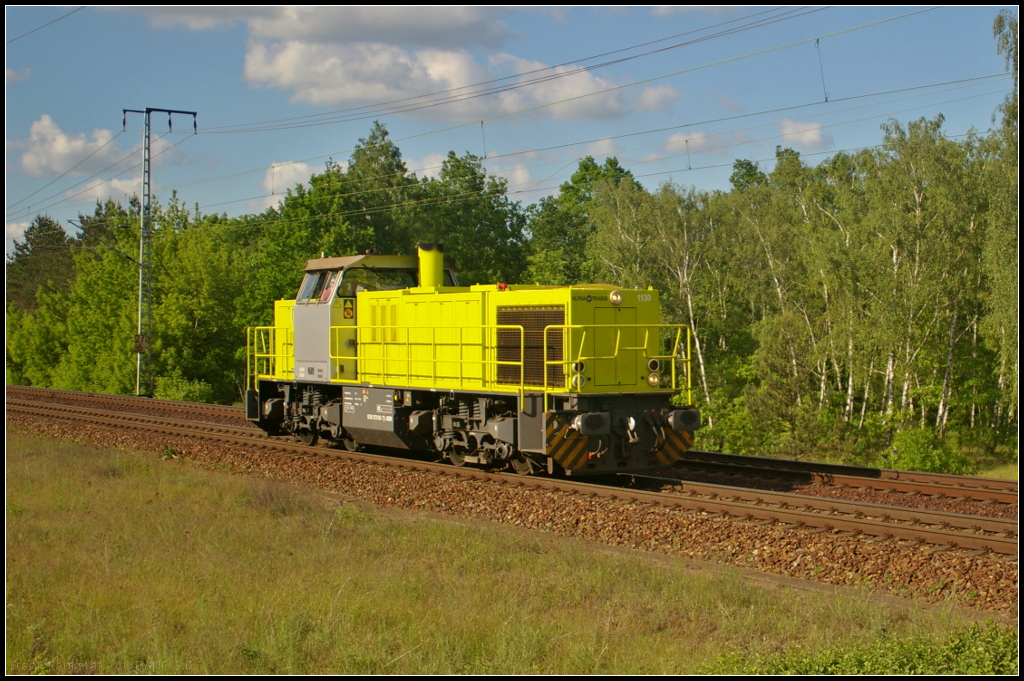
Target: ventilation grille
{"x":533,"y":320}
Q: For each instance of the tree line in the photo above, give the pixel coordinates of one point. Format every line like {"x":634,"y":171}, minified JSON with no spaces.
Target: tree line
{"x":863,"y":309}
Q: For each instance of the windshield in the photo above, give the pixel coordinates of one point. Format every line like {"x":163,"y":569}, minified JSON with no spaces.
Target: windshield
{"x":317,"y":287}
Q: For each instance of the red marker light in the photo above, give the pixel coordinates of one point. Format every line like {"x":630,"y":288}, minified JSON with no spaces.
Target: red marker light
{"x":502,"y":286}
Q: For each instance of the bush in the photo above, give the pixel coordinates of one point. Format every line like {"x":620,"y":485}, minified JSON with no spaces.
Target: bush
{"x":182,"y":389}
{"x":978,"y":649}
{"x":918,"y":449}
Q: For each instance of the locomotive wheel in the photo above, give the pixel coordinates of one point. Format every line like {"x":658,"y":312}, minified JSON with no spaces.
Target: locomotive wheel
{"x":350,"y":444}
{"x":308,"y":436}
{"x":457,"y":455}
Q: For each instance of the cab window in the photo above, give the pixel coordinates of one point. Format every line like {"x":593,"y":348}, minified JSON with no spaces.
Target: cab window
{"x":376,"y":279}
{"x":317,"y":287}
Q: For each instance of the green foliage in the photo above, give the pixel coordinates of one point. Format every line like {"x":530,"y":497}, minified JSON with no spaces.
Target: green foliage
{"x":41,"y":261}
{"x":975,"y":650}
{"x":561,"y":226}
{"x":469,"y":211}
{"x":919,"y":449}
{"x":182,"y":389}
{"x":746,"y":174}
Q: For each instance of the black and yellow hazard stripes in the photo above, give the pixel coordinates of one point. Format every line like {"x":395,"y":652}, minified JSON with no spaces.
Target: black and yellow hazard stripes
{"x":564,"y":444}
{"x":677,"y":443}
{"x":572,"y":450}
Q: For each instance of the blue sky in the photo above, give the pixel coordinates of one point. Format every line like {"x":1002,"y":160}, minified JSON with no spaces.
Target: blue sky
{"x":690,"y":91}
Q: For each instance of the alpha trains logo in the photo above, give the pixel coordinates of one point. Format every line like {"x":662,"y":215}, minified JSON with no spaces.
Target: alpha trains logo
{"x":590,"y":299}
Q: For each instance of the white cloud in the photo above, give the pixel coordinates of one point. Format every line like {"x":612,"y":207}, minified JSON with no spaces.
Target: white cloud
{"x":428,"y":166}
{"x":49,"y":150}
{"x":602,"y":147}
{"x":680,"y":142}
{"x":12,"y":231}
{"x":806,"y":135}
{"x":719,"y":144}
{"x":657,"y":98}
{"x":118,"y":189}
{"x":730,"y":104}
{"x":280,"y":177}
{"x":351,"y":56}
{"x":354,"y":74}
{"x":443,"y":27}
{"x":12,"y":76}
{"x":570,"y":87}
{"x":518,"y":176}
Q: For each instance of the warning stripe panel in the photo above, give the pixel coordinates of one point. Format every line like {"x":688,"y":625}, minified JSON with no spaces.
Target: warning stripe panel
{"x":677,"y":443}
{"x":565,"y":445}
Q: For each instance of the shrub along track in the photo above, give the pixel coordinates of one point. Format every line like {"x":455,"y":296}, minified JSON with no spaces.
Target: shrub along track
{"x":818,"y":545}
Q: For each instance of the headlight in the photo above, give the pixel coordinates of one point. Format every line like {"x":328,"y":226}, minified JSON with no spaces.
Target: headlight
{"x":578,"y":367}
{"x":653,"y":379}
{"x":653,"y":365}
{"x":578,"y":381}
{"x":615,"y":297}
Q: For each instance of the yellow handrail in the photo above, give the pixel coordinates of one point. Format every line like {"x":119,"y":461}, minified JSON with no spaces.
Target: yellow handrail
{"x":269,"y":355}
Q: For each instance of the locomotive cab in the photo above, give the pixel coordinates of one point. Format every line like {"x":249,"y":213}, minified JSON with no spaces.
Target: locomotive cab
{"x":327,"y":299}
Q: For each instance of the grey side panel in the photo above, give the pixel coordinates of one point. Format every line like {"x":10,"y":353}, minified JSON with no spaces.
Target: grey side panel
{"x":312,"y":341}
{"x":531,"y":423}
{"x":371,"y":416}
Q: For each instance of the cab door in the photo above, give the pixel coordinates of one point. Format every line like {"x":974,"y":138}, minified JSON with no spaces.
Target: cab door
{"x":620,"y":369}
{"x":343,"y":337}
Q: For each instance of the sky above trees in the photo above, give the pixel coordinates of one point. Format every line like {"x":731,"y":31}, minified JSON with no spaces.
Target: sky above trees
{"x":672,"y":94}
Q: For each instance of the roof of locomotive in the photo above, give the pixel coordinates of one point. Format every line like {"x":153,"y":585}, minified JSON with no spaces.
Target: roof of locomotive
{"x":396,"y":261}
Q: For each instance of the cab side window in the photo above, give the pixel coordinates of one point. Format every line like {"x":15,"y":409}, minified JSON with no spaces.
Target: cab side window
{"x":376,"y":279}
{"x":317,"y":287}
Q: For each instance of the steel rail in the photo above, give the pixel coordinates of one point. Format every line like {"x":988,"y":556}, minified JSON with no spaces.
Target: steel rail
{"x":957,"y":486}
{"x":717,"y":499}
{"x":194,"y":407}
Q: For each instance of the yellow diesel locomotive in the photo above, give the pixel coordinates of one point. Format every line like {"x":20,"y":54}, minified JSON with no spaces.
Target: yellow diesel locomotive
{"x":391,"y":351}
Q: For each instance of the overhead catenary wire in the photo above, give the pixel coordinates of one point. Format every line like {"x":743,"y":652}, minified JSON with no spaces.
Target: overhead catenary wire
{"x":371,"y":210}
{"x":48,"y":23}
{"x":376,"y":209}
{"x":495,"y":80}
{"x":709,"y":121}
{"x":661,"y":144}
{"x":960,"y":84}
{"x":641,"y":148}
{"x":578,"y":97}
{"x":111,"y":179}
{"x":95,"y":151}
{"x":435,"y":201}
{"x":359,"y":116}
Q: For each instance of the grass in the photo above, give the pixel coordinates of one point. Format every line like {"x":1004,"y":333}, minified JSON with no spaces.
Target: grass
{"x":120,"y":562}
{"x":976,"y":650}
{"x":1009,"y":471}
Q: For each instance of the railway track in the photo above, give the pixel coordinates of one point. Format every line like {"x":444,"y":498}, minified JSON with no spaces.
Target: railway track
{"x":800,"y":512}
{"x":860,"y":477}
{"x":969,"y":488}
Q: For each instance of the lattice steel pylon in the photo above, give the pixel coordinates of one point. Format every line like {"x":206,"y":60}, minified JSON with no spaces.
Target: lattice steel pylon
{"x":144,"y":333}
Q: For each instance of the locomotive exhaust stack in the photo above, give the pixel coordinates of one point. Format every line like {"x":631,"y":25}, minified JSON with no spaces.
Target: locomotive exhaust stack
{"x":431,"y":265}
